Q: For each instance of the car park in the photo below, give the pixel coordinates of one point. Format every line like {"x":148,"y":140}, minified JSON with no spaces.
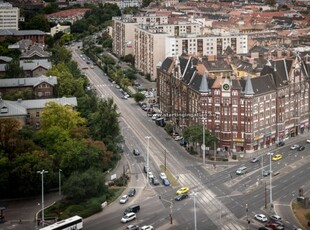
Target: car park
{"x":147,"y":227}
{"x":182,"y":190}
{"x":301,"y":148}
{"x":133,"y":208}
{"x":166,"y":182}
{"x":132,"y":227}
{"x":277,"y":157}
{"x":136,"y":152}
{"x":242,"y":170}
{"x":128,"y":217}
{"x":123,"y":199}
{"x":255,"y":159}
{"x":162,"y":176}
{"x":294,"y":147}
{"x":180,"y":197}
{"x":261,"y":217}
{"x":132,"y":192}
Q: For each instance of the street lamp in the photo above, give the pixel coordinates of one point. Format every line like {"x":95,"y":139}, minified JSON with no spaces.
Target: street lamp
{"x":195,"y":218}
{"x":147,"y":159}
{"x":270,"y":183}
{"x":42,"y":202}
{"x":203,"y":141}
{"x":59,"y":175}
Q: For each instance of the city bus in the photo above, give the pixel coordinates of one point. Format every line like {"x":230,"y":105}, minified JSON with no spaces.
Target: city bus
{"x":72,"y":223}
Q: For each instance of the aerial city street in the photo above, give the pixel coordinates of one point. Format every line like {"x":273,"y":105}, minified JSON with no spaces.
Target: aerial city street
{"x":143,"y":114}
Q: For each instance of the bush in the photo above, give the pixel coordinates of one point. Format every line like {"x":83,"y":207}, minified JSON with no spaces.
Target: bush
{"x":234,"y":157}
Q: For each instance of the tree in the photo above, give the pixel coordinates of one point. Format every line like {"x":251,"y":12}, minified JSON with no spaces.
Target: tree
{"x":60,"y":55}
{"x":89,"y":184}
{"x":270,"y":2}
{"x":38,"y":22}
{"x":62,"y":116}
{"x":13,"y":70}
{"x":8,"y":131}
{"x":138,"y":97}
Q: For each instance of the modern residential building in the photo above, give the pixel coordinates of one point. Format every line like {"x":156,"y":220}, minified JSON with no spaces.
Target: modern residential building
{"x":60,"y":28}
{"x":245,"y":114}
{"x":205,"y":45}
{"x":123,"y":31}
{"x":9,"y":16}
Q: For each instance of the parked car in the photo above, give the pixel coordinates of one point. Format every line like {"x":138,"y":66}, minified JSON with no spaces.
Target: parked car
{"x":281,"y":143}
{"x":275,"y":217}
{"x":128,"y":217}
{"x":166,"y":182}
{"x":261,"y":217}
{"x":150,"y":175}
{"x":180,"y":197}
{"x":123,"y":199}
{"x":146,"y":169}
{"x":133,"y":208}
{"x":132,"y":192}
{"x":308,"y":140}
{"x":301,"y":148}
{"x":293,"y":147}
{"x":132,"y":227}
{"x":255,"y":159}
{"x":162,"y":176}
{"x":147,"y":227}
{"x":178,"y":138}
{"x":274,"y":226}
{"x":155,"y":181}
{"x":136,"y":152}
{"x":242,"y":170}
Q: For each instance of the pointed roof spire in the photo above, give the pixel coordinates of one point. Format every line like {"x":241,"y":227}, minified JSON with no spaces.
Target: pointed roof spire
{"x":204,"y":84}
{"x":248,"y":90}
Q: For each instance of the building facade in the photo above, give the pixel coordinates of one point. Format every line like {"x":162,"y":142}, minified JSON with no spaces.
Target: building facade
{"x":245,"y":114}
{"x":9,"y":16}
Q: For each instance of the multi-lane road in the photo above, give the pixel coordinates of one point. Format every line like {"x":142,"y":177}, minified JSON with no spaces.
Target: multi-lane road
{"x":221,"y":196}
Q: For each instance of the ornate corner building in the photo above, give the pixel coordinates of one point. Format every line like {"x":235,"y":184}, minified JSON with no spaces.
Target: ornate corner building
{"x":245,"y":114}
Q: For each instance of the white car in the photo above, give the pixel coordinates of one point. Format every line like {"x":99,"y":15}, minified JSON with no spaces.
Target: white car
{"x":308,"y":140}
{"x":275,"y":217}
{"x":293,"y":147}
{"x":162,"y":176}
{"x":150,"y":175}
{"x":261,"y":217}
{"x":123,"y":199}
{"x":147,"y":227}
{"x":128,"y":217}
{"x":178,"y":138}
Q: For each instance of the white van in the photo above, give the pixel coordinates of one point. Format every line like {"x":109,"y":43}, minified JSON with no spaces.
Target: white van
{"x":155,"y":116}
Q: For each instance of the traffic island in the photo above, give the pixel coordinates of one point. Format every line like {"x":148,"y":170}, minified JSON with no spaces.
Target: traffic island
{"x":173,"y":181}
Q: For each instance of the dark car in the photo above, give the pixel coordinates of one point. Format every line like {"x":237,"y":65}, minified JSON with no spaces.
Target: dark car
{"x":281,"y":143}
{"x":181,"y":197}
{"x":132,"y":227}
{"x":146,"y":169}
{"x":136,"y":152}
{"x":266,"y":173}
{"x":155,"y":181}
{"x":132,"y":208}
{"x":166,"y":182}
{"x":264,"y":228}
{"x":301,"y":148}
{"x":132,"y":192}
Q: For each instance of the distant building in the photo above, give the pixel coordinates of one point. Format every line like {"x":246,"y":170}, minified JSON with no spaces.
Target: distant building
{"x":36,"y":36}
{"x":9,"y":16}
{"x":28,"y":112}
{"x":60,"y":28}
{"x":71,"y":15}
{"x":245,"y":114}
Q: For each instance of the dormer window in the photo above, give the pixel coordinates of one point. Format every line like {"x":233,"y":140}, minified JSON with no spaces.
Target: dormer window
{"x":4,"y":109}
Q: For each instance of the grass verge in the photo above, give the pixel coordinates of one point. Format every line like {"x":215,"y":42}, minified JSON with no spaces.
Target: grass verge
{"x":302,"y":214}
{"x":170,"y":177}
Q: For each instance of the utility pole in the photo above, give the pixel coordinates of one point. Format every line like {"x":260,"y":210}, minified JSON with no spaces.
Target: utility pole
{"x":42,"y":202}
{"x":165,"y":160}
{"x":148,"y":160}
{"x":265,"y":196}
{"x":203,"y":142}
{"x":171,"y":206}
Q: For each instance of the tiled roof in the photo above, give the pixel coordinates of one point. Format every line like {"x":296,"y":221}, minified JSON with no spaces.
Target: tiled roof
{"x":30,"y":81}
{"x":7,"y":32}
{"x":69,"y":13}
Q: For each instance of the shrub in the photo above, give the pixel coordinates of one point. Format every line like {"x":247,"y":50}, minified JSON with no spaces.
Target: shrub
{"x":234,"y":157}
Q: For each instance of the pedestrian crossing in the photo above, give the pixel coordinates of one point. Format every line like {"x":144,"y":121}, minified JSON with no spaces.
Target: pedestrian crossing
{"x":214,"y":209}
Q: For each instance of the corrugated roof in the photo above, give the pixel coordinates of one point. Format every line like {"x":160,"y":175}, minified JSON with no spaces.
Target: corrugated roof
{"x":31,"y":81}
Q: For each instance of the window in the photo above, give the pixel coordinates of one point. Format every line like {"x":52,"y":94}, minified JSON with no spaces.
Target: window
{"x":37,"y":114}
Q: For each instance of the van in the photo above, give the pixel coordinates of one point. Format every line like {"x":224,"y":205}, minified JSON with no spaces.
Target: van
{"x":132,"y":208}
{"x":242,"y":170}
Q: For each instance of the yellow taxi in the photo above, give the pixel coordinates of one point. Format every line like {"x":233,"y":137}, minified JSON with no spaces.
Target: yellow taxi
{"x":183,"y":190}
{"x":277,"y":157}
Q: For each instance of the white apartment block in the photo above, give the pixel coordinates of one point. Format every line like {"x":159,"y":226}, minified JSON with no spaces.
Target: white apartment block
{"x":206,"y":45}
{"x":123,"y":31}
{"x":129,"y":3}
{"x":149,"y":50}
{"x":9,"y":16}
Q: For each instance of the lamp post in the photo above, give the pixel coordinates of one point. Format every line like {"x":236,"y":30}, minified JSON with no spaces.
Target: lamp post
{"x":59,"y":176}
{"x":203,"y":142}
{"x":42,"y":202}
{"x":247,"y":217}
{"x":270,"y":183}
{"x":262,"y":167}
{"x":147,"y":159}
{"x":195,"y":218}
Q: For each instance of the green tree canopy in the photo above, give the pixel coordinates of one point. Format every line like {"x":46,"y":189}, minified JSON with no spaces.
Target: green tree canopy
{"x":13,"y":70}
{"x":139,"y":97}
{"x":38,"y":22}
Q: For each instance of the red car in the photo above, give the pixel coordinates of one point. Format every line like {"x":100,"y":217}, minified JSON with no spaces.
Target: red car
{"x":274,"y":226}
